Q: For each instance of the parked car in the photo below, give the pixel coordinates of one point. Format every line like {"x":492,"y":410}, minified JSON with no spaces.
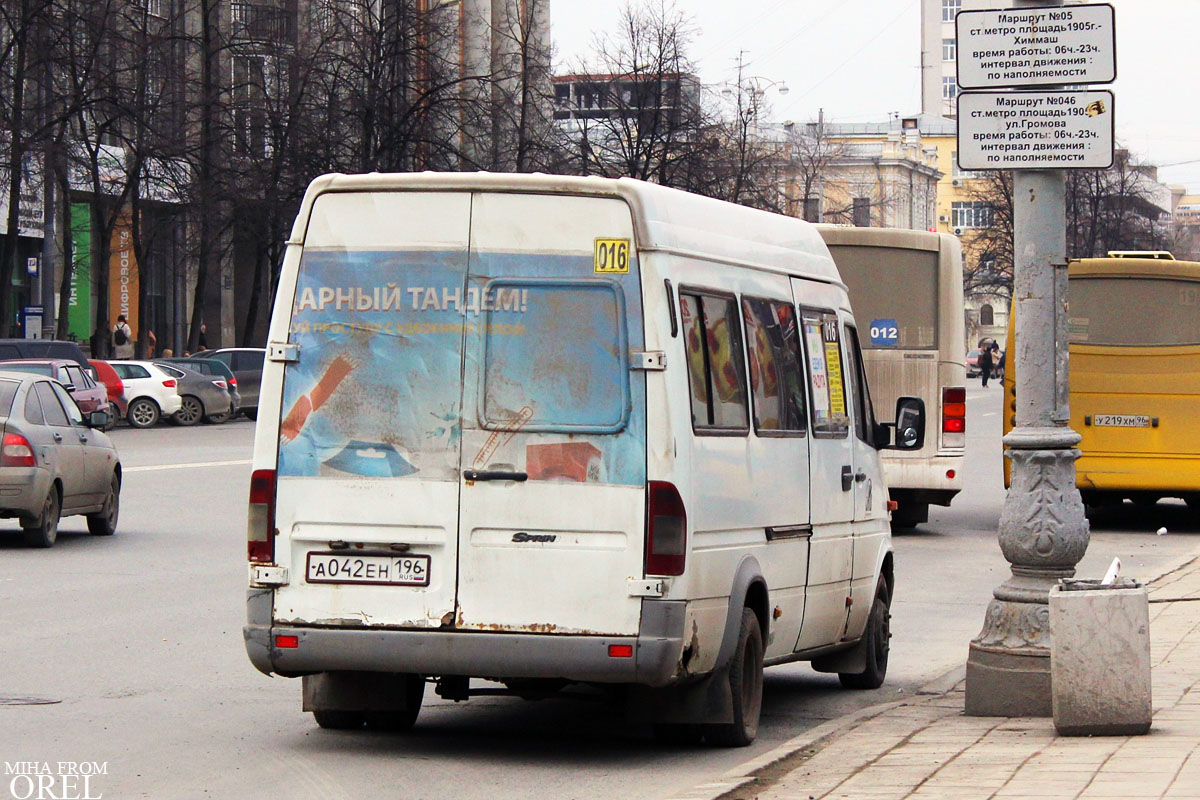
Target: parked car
{"x":42,"y":348}
{"x":152,"y":392}
{"x":973,"y":363}
{"x":247,"y":365}
{"x":201,"y":397}
{"x":88,"y":395}
{"x":54,"y":462}
{"x":216,"y":369}
{"x":103,"y":372}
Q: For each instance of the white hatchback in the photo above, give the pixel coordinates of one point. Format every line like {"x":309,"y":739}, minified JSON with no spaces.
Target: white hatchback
{"x":151,"y":392}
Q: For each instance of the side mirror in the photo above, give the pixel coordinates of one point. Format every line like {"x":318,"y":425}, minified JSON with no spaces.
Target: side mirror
{"x":99,"y":419}
{"x":70,"y":387}
{"x":909,"y":426}
{"x":910,"y":423}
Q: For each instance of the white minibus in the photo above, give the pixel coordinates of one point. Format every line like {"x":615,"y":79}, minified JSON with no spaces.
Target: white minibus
{"x":542,"y":430}
{"x":907,"y":291}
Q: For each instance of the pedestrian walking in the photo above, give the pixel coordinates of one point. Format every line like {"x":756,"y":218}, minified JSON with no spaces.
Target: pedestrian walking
{"x":122,"y":338}
{"x":986,"y":364}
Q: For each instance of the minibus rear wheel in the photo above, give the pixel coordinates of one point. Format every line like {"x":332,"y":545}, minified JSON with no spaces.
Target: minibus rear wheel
{"x":746,"y":684}
{"x":877,"y":641}
{"x":339,"y":720}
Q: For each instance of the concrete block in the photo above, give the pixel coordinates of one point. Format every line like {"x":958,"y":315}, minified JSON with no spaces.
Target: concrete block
{"x":1100,"y":658}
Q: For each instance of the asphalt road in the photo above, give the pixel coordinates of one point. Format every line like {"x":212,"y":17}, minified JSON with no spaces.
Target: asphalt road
{"x":137,"y":641}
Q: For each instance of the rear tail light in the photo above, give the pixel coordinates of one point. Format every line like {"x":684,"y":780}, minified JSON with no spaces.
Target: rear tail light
{"x":17,"y":452}
{"x":169,"y":383}
{"x":260,"y":524}
{"x":666,"y":529}
{"x":233,"y":382}
{"x":221,"y":385}
{"x":954,"y":416}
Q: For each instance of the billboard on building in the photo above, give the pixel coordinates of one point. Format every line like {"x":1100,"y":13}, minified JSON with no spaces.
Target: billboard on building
{"x":79,"y":305}
{"x":123,"y":274}
{"x":31,"y":219}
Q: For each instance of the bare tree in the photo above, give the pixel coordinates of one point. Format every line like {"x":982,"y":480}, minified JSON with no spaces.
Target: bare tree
{"x":810,"y":155}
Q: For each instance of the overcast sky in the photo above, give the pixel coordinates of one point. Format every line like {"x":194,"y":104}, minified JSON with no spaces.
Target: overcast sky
{"x":860,"y":59}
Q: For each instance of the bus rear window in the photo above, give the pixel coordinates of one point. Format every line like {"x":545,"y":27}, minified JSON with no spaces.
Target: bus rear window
{"x":1134,"y":312}
{"x":894,"y":293}
{"x":555,"y":356}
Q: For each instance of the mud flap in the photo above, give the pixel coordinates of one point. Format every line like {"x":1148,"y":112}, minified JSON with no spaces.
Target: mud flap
{"x":355,"y":691}
{"x":851,"y":661}
{"x":707,"y":701}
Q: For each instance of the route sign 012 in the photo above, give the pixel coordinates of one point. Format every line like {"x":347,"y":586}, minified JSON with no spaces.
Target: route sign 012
{"x":1035,"y":130}
{"x":1044,"y":46}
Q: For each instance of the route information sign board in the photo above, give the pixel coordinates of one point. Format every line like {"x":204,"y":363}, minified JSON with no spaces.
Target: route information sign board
{"x":1036,"y":46}
{"x":1035,"y":130}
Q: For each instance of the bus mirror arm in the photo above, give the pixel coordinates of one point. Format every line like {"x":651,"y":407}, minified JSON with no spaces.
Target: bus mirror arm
{"x":909,"y":427}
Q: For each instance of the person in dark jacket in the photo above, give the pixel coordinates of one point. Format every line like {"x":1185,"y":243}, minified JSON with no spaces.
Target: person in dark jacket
{"x":986,"y":363}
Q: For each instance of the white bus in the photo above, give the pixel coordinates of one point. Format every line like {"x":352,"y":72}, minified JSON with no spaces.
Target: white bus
{"x":541,"y":430}
{"x":907,"y":291}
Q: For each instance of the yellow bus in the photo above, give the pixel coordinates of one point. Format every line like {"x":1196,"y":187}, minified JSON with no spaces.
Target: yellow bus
{"x":906,"y":288}
{"x":1134,"y":333}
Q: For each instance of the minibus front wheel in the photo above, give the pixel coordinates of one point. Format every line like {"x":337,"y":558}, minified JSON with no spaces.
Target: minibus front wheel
{"x":876,"y":643}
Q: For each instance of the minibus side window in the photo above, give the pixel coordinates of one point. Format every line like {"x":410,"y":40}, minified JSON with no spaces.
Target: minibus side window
{"x":864,"y":413}
{"x":824,"y":347}
{"x":716,"y":363}
{"x":776,"y":382}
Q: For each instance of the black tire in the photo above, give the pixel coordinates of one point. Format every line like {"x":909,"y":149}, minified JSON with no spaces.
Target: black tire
{"x":251,"y":413}
{"x":746,"y":684}
{"x":877,"y":640}
{"x":143,"y":413}
{"x":190,"y":412}
{"x":339,"y":720}
{"x":400,"y":721}
{"x":217,"y":419}
{"x":104,"y":521}
{"x":43,"y":532}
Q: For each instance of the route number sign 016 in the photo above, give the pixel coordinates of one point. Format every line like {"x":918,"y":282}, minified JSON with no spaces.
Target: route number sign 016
{"x":1036,"y":46}
{"x":1035,"y":130}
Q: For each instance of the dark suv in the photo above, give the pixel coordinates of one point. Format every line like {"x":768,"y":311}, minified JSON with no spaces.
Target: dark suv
{"x":247,"y":365}
{"x":11,"y":349}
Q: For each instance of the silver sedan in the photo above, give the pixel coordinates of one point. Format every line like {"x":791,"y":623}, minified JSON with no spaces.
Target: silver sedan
{"x":54,"y":462}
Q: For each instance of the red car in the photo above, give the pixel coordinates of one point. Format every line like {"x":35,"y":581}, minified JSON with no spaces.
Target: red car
{"x":87,"y":394}
{"x":112,"y":382}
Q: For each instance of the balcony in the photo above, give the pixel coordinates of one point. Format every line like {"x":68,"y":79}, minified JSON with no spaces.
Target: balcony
{"x":260,"y":22}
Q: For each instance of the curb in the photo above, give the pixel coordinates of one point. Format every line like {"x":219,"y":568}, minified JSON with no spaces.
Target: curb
{"x":791,"y":753}
{"x":795,"y":751}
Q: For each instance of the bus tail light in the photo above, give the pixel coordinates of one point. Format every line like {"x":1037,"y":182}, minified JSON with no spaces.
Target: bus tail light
{"x":954,"y":416}
{"x":666,"y":529}
{"x":260,"y":525}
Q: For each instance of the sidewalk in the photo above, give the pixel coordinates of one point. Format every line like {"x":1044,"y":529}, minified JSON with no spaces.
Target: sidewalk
{"x":926,"y":749}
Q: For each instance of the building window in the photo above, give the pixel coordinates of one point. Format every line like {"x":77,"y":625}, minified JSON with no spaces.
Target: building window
{"x":862,"y":212}
{"x":949,"y":87}
{"x":987,"y":316}
{"x":156,"y":8}
{"x":949,"y":9}
{"x":971,"y":215}
{"x":949,"y":49}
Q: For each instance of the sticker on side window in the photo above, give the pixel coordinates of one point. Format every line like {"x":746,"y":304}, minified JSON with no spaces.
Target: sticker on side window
{"x":611,"y":256}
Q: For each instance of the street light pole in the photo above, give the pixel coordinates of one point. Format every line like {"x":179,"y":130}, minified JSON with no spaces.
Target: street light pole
{"x":1043,"y":531}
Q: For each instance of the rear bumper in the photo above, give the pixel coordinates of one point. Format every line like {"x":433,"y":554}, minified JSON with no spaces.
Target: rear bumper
{"x":23,"y":491}
{"x":1162,"y":473}
{"x":656,"y":650}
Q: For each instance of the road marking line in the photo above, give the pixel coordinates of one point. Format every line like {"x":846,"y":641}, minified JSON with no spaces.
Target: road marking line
{"x":990,"y":414}
{"x":192,"y":464}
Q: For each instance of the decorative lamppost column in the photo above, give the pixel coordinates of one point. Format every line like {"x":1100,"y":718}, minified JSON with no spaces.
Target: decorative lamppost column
{"x":1043,"y":531}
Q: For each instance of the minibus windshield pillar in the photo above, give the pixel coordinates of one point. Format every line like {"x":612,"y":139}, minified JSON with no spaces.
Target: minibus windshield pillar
{"x":1043,"y":531}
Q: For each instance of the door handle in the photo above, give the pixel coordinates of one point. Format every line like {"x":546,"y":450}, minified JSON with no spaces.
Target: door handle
{"x":57,"y":437}
{"x":859,"y":477}
{"x":847,"y":478}
{"x":494,"y":475}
